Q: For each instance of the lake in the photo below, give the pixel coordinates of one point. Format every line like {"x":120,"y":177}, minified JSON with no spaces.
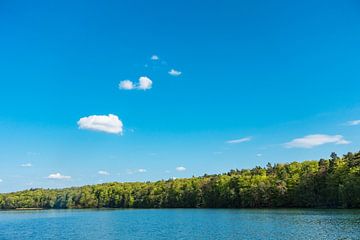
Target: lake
{"x":180,"y":224}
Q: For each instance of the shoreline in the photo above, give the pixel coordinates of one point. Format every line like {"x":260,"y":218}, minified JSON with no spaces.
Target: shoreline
{"x":284,"y":208}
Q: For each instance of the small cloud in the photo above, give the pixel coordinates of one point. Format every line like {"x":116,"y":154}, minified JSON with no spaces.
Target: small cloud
{"x":315,"y":140}
{"x":259,"y":155}
{"x":141,"y":170}
{"x":174,"y":73}
{"x":102,"y":123}
{"x":145,"y":83}
{"x":1,"y":180}
{"x":102,"y":172}
{"x":353,"y":123}
{"x":180,"y":169}
{"x":240,"y":140}
{"x":155,"y":57}
{"x":58,"y":176}
{"x":126,"y":85}
{"x":26,"y":165}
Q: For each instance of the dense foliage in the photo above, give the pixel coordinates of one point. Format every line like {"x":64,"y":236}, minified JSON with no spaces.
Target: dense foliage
{"x":332,"y":183}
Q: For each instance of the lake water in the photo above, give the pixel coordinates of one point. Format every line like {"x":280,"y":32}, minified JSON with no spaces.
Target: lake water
{"x":180,"y":224}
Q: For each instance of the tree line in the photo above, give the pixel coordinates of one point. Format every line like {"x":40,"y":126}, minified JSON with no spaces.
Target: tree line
{"x":327,"y":183}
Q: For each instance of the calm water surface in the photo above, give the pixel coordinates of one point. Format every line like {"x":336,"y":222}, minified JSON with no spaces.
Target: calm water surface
{"x":180,"y":224}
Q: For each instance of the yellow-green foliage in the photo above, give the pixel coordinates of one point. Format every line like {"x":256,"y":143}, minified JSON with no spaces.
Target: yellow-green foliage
{"x":334,"y":182}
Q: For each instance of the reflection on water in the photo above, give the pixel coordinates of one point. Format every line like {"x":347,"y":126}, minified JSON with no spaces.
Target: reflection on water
{"x":180,"y":224}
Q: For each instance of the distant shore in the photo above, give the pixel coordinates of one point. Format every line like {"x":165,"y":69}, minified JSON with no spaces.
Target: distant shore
{"x":328,"y":183}
{"x":29,"y":209}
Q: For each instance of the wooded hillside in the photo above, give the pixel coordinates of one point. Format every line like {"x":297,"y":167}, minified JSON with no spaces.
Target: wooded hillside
{"x":330,"y":183}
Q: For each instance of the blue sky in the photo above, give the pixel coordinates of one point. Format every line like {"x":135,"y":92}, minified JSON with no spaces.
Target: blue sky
{"x":281,"y":79}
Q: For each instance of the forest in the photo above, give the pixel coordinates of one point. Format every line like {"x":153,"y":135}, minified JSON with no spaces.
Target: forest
{"x":327,"y":183}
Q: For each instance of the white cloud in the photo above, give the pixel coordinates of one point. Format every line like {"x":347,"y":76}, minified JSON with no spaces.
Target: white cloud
{"x":126,"y":85}
{"x":180,"y":169}
{"x":155,"y":57}
{"x":58,"y":176}
{"x":240,"y":140}
{"x":353,"y":123}
{"x":174,"y":73}
{"x":26,"y":165}
{"x":259,"y":155}
{"x":141,"y":170}
{"x":144,"y":83}
{"x":102,"y":123}
{"x":102,"y":172}
{"x":315,"y":140}
{"x":1,"y":180}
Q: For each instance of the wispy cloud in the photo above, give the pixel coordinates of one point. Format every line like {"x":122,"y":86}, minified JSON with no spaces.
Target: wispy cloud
{"x":102,"y":123}
{"x":353,"y":122}
{"x":26,"y":165}
{"x":259,"y":155}
{"x":145,"y":83}
{"x":240,"y":140}
{"x":174,"y":73}
{"x":58,"y":176}
{"x":1,"y":180}
{"x":140,"y":170}
{"x":155,"y":57}
{"x":180,"y":169}
{"x":315,"y":140}
{"x":104,"y":173}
